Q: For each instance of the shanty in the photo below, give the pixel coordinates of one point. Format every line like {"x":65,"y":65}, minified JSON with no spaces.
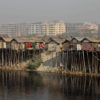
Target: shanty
{"x":74,"y":53}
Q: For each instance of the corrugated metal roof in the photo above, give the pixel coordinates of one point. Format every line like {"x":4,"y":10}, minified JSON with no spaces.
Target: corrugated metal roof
{"x":29,"y":39}
{"x":46,"y":39}
{"x":7,"y":39}
{"x":97,"y":40}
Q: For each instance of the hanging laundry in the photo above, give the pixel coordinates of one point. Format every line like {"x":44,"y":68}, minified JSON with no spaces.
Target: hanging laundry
{"x":87,"y":46}
{"x":42,"y":45}
{"x":28,"y":45}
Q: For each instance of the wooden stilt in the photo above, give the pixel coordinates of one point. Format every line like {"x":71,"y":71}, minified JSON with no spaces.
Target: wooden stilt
{"x":88,"y":62}
{"x":84,"y":68}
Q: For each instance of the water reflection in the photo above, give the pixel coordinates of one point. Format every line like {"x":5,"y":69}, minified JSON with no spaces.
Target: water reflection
{"x":18,"y":85}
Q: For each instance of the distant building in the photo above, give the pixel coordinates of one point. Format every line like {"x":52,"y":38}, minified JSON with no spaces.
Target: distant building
{"x":44,"y":28}
{"x":9,"y":29}
{"x":81,"y":28}
{"x":14,"y":29}
{"x":47,"y":28}
{"x":22,"y":29}
{"x":91,"y":27}
{"x":53,"y":28}
{"x":35,"y":28}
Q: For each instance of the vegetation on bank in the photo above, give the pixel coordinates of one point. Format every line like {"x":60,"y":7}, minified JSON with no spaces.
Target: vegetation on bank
{"x":35,"y":61}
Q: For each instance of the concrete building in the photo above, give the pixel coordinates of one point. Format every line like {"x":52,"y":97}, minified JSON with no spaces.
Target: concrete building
{"x":9,"y":29}
{"x":23,"y":29}
{"x":53,"y":28}
{"x":91,"y":27}
{"x":47,"y":28}
{"x":81,"y":28}
{"x":15,"y":29}
{"x":35,"y":28}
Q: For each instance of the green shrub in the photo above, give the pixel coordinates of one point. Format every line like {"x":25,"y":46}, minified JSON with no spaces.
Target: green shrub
{"x":35,"y":62}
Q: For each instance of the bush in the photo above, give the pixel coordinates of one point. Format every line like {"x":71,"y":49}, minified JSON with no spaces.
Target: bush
{"x":35,"y":62}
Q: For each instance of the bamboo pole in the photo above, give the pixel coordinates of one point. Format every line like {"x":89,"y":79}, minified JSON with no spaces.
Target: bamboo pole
{"x":67,"y":61}
{"x":71,"y":60}
{"x":84,"y":68}
{"x":96,"y":65}
{"x":56,"y":59}
{"x":92,"y":62}
{"x":2,"y":57}
{"x":88,"y":63}
{"x":6,"y":56}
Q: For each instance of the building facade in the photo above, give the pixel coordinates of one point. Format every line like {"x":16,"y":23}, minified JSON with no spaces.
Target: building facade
{"x":35,"y":28}
{"x":53,"y":28}
{"x":81,"y":27}
{"x":9,"y":29}
{"x":44,"y":28}
{"x":48,"y":28}
{"x":22,"y":29}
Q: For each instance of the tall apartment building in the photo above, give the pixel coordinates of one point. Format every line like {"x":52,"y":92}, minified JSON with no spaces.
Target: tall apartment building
{"x":47,"y":28}
{"x":9,"y":29}
{"x":22,"y":29}
{"x":35,"y":28}
{"x":93,"y":28}
{"x":15,"y":29}
{"x":81,"y":28}
{"x":44,"y":28}
{"x":53,"y":28}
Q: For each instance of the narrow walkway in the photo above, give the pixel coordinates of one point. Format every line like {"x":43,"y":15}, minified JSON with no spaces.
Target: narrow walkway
{"x":48,"y":61}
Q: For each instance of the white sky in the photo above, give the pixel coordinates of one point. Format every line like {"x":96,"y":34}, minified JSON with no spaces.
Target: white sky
{"x":17,"y":11}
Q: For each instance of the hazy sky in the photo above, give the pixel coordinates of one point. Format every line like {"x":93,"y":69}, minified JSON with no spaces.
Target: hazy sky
{"x":16,"y":11}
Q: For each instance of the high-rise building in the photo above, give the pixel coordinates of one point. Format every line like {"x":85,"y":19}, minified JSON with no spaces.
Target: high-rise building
{"x":47,"y":28}
{"x":15,"y":29}
{"x":53,"y":28}
{"x":81,"y":28}
{"x":9,"y":29}
{"x":91,"y":27}
{"x":35,"y":28}
{"x":23,"y":29}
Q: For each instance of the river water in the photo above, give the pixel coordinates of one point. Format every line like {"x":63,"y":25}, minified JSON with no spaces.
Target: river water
{"x":21,"y":85}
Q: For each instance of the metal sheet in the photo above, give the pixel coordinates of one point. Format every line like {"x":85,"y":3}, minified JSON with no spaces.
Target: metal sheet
{"x":52,"y":47}
{"x":79,"y":47}
{"x":4,"y":45}
{"x":87,"y":46}
{"x":0,"y":44}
